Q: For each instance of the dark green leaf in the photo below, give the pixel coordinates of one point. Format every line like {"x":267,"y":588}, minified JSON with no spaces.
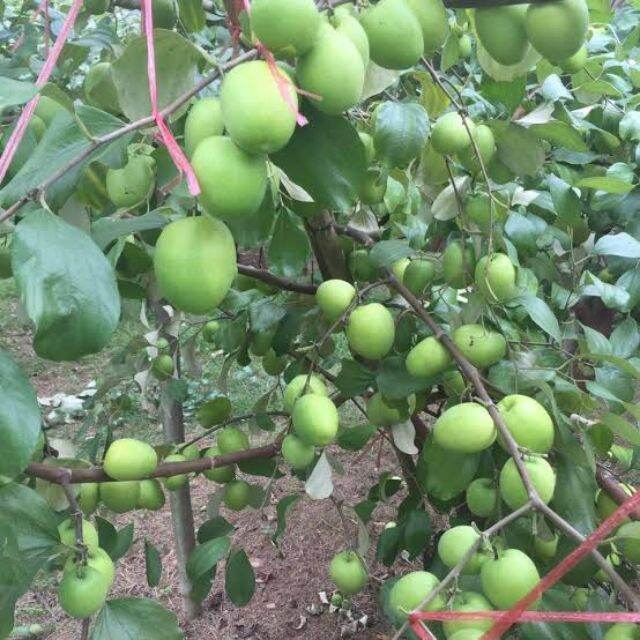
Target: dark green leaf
{"x":520,"y":150}
{"x":214,"y":528}
{"x":266,"y":467}
{"x":574,"y":495}
{"x":609,"y":185}
{"x":364,"y":509}
{"x":389,"y":545}
{"x":355,"y":438}
{"x":289,"y":247}
{"x":354,"y":378}
{"x":541,"y":314}
{"x":213,"y":412}
{"x":416,"y":530}
{"x":625,"y":338}
{"x":282,"y":509}
{"x":239,"y":580}
{"x":122,"y":543}
{"x":264,"y":314}
{"x":565,"y":201}
{"x":386,"y":252}
{"x":622,"y":428}
{"x":192,"y":15}
{"x":394,"y":381}
{"x":400,"y":132}
{"x":105,"y":230}
{"x":153,"y":564}
{"x":205,"y":556}
{"x":620,"y":244}
{"x":15,"y":92}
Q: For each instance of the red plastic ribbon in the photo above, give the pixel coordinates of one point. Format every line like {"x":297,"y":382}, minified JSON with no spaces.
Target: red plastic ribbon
{"x":176,"y":153}
{"x":23,"y":121}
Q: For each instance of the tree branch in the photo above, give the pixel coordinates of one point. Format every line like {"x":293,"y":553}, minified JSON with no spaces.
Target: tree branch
{"x":276,"y":281}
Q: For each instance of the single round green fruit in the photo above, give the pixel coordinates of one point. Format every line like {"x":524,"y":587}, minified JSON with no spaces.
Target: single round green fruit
{"x":297,"y":453}
{"x":528,"y":421}
{"x":399,"y":267}
{"x":479,"y":209}
{"x":195,"y":263}
{"x":89,"y":497}
{"x":467,"y":602}
{"x":120,"y":496}
{"x":237,"y":495}
{"x":418,"y":275}
{"x":165,"y":14}
{"x":428,"y":358}
{"x":332,"y":70}
{"x":162,"y":366}
{"x":256,"y":115}
{"x":409,"y":591}
{"x":162,"y":345}
{"x":482,"y":497}
{"x":458,"y":265}
{"x":455,"y":543}
{"x":348,"y":572}
{"x":210,"y":330}
{"x":496,"y":277}
{"x":82,"y":592}
{"x":190,"y":452}
{"x":508,"y":578}
{"x":288,"y":28}
{"x":373,"y":188}
{"x":150,"y":495}
{"x":67,"y":532}
{"x":100,"y":89}
{"x":371,"y":331}
{"x":557,"y":29}
{"x":334,"y":298}
{"x":449,"y":136}
{"x":465,"y":428}
{"x":501,"y":30}
{"x":273,"y":364}
{"x":623,"y":631}
{"x":394,"y":33}
{"x":385,"y":413}
{"x":129,"y":459}
{"x":294,"y":389}
{"x":98,"y":559}
{"x":432,"y":18}
{"x":315,"y":419}
{"x":482,"y":347}
{"x":349,"y":26}
{"x":465,"y":47}
{"x":576,"y":62}
{"x":512,"y":489}
{"x":231,"y":440}
{"x":546,"y":549}
{"x":233,"y":182}
{"x":173,"y":483}
{"x":486,"y":144}
{"x":606,"y":505}
{"x":131,"y":185}
{"x":218,"y":474}
{"x":628,"y":541}
{"x":203,"y":121}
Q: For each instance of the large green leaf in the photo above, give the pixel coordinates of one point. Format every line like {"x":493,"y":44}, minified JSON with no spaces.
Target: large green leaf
{"x":105,"y":230}
{"x":19,"y":418}
{"x":541,"y":314}
{"x":327,"y":159}
{"x":66,"y":285}
{"x":14,"y":92}
{"x":239,"y":579}
{"x":519,"y":149}
{"x":574,"y":495}
{"x":289,"y":247}
{"x":139,"y":618}
{"x":205,"y":556}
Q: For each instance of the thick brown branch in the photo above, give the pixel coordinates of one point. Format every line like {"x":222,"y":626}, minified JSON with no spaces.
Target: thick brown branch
{"x":277,"y":281}
{"x":609,"y":483}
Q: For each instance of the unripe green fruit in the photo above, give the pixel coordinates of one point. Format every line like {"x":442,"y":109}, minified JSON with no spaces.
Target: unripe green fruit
{"x":394,"y":33}
{"x":218,"y":474}
{"x":333,"y":70}
{"x":458,"y":266}
{"x":120,"y":496}
{"x":371,"y":331}
{"x":408,"y":592}
{"x":48,"y":109}
{"x":98,"y":559}
{"x":623,"y":631}
{"x":315,"y":420}
{"x":89,"y":497}
{"x":294,"y":389}
{"x":543,"y":479}
{"x":482,"y":347}
{"x":96,"y":7}
{"x":256,"y":115}
{"x":100,"y":89}
{"x":428,"y":358}
{"x":232,"y":181}
{"x":454,"y":544}
{"x":67,"y":532}
{"x":464,"y":46}
{"x":237,"y":495}
{"x":628,"y":541}
{"x":508,"y":578}
{"x":162,"y":366}
{"x":453,"y":384}
{"x":348,"y":572}
{"x":173,"y":483}
{"x":287,"y":28}
{"x":528,"y":421}
{"x":129,"y":459}
{"x":501,"y":30}
{"x":297,"y":453}
{"x":496,"y":277}
{"x":546,"y":549}
{"x":432,"y":18}
{"x":369,"y":149}
{"x":203,"y":121}
{"x":385,"y":414}
{"x":465,"y":428}
{"x":486,"y":144}
{"x":334,"y":297}
{"x":361,"y":266}
{"x":479,"y":209}
{"x":210,"y":330}
{"x":373,"y":188}
{"x":132,"y":185}
{"x":348,"y":26}
{"x":606,"y":505}
{"x":165,"y":14}
{"x":449,"y":135}
{"x":418,"y":275}
{"x":399,"y":267}
{"x":150,"y":495}
{"x":576,"y":62}
{"x":482,"y":497}
{"x":231,"y":440}
{"x":195,"y":263}
{"x":162,"y":345}
{"x":557,"y":29}
{"x":468,"y":601}
{"x":82,"y":592}
{"x":273,"y":364}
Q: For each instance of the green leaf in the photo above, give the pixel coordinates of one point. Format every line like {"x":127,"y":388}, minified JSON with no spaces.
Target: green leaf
{"x":264,"y":313}
{"x":122,"y":542}
{"x":541,"y":314}
{"x":105,"y":230}
{"x":574,"y":495}
{"x":319,"y":485}
{"x":289,"y":247}
{"x":389,"y":545}
{"x":504,"y":73}
{"x":265,"y":467}
{"x":386,"y":252}
{"x":519,"y":149}
{"x":630,"y":126}
{"x":213,"y":412}
{"x":66,"y":285}
{"x":353,"y":378}
{"x":327,"y":159}
{"x":565,"y":201}
{"x":620,"y":244}
{"x":176,"y":65}
{"x":205,"y":556}
{"x":622,"y":428}
{"x":239,"y":579}
{"x":625,"y":338}
{"x":153,"y":564}
{"x":395,"y":382}
{"x":15,"y":92}
{"x":282,"y":509}
{"x":510,"y":94}
{"x":139,"y":618}
{"x":417,"y":528}
{"x":610,"y":185}
{"x":355,"y":438}
{"x":19,"y":418}
{"x":560,"y":134}
{"x":192,"y":15}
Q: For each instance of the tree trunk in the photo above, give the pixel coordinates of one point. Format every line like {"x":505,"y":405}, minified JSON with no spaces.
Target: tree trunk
{"x":326,"y":246}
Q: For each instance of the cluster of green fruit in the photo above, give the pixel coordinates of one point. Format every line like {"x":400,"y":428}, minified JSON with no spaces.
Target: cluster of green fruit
{"x":556,"y":30}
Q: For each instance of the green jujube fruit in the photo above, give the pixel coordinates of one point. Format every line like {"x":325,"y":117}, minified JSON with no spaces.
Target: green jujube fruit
{"x":432,"y":18}
{"x":173,"y":483}
{"x":512,"y":489}
{"x":479,"y":209}
{"x":576,"y":62}
{"x":315,"y":420}
{"x":334,"y":297}
{"x":508,"y":578}
{"x":486,"y":143}
{"x":195,"y":263}
{"x":465,"y":428}
{"x":120,"y":496}
{"x":132,"y":184}
{"x":371,"y":331}
{"x":482,"y":347}
{"x":428,"y":358}
{"x":218,"y":474}
{"x":348,"y":26}
{"x":458,"y":266}
{"x":496,"y":277}
{"x":129,"y":459}
{"x":454,"y":544}
{"x":418,"y":275}
{"x":296,"y":452}
{"x":501,"y":30}
{"x":203,"y":121}
{"x":449,"y":136}
{"x":233,"y":182}
{"x":528,"y":421}
{"x":256,"y":115}
{"x":82,"y":591}
{"x":386,"y":413}
{"x":150,"y":495}
{"x":410,"y":590}
{"x":294,"y":389}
